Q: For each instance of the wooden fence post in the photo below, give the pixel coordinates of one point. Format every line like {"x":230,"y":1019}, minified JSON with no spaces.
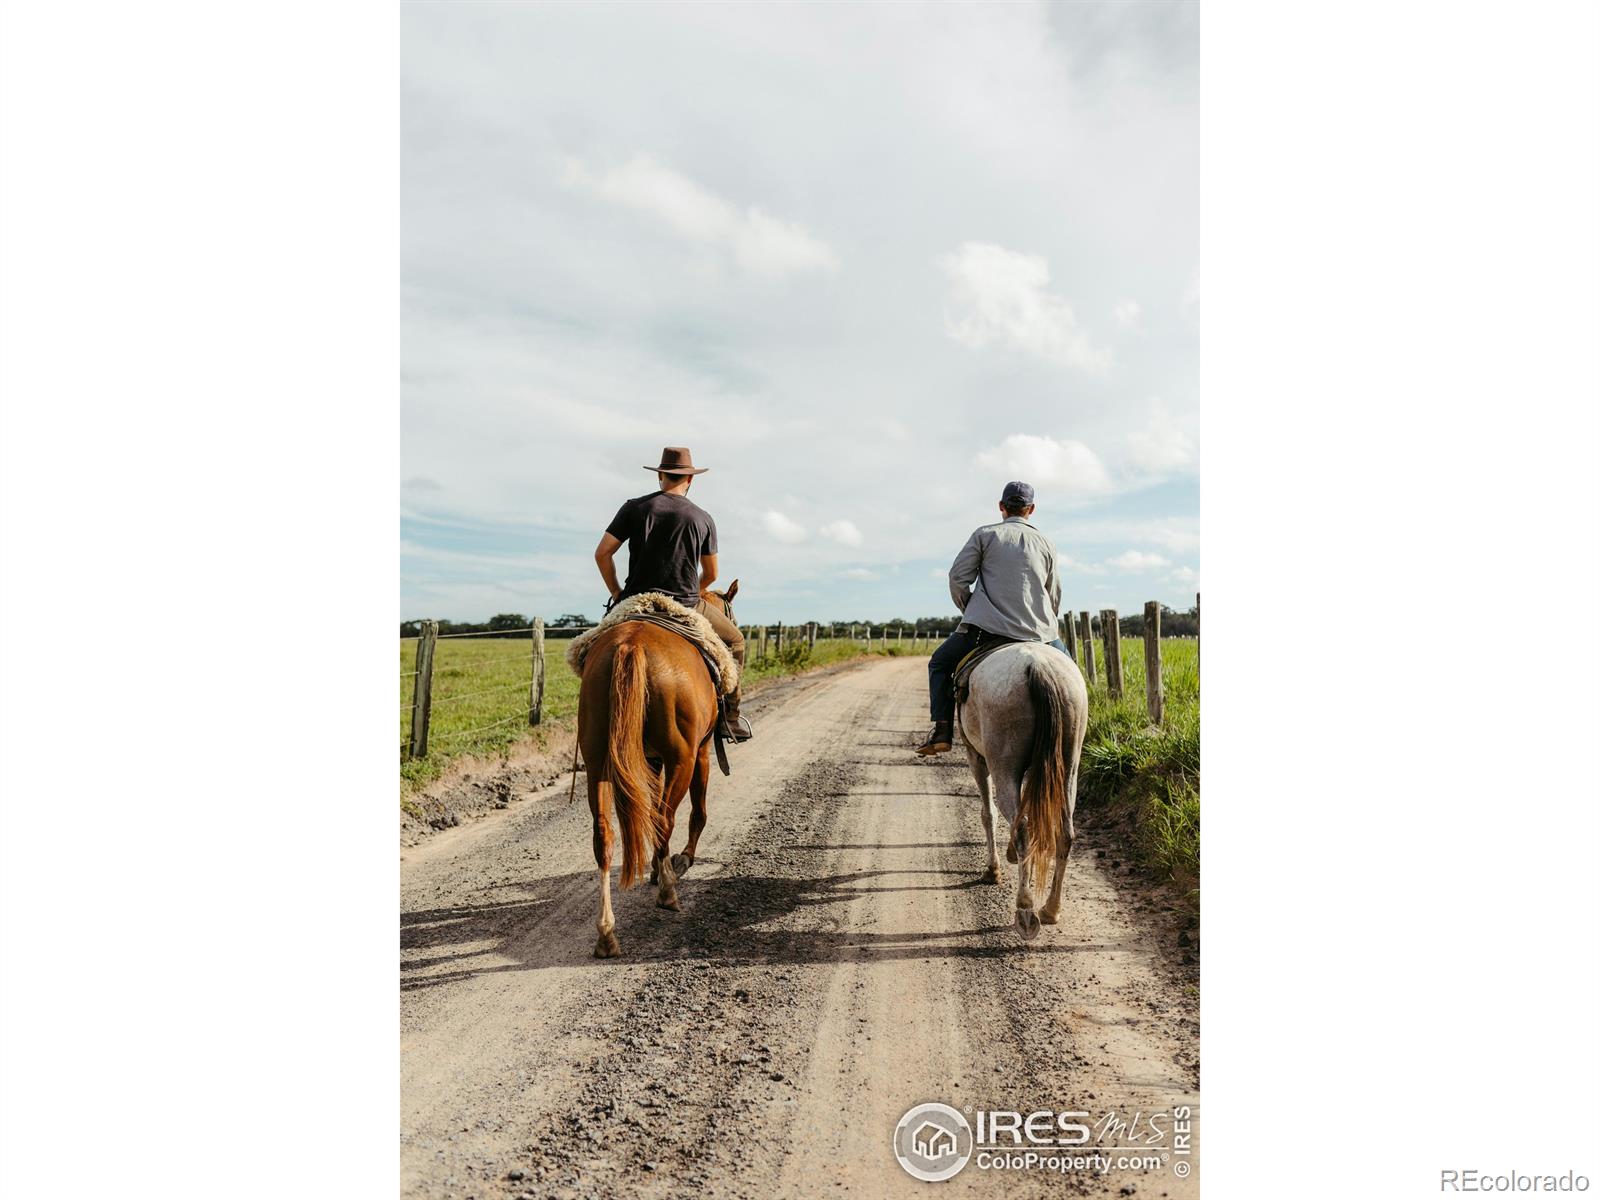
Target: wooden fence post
{"x":1153,"y":695}
{"x":422,"y":691}
{"x":536,"y":689}
{"x":1111,"y":632}
{"x":1086,"y":636}
{"x":1069,"y":635}
{"x":1197,"y":638}
{"x":779,"y":643}
{"x":763,"y":643}
{"x":811,"y":636}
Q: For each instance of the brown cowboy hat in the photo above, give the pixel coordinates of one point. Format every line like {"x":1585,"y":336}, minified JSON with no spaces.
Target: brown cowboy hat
{"x":676,"y":460}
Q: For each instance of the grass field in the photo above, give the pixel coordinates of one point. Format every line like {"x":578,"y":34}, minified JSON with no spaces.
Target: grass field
{"x":480,"y":697}
{"x":1155,"y":772}
{"x":480,"y":692}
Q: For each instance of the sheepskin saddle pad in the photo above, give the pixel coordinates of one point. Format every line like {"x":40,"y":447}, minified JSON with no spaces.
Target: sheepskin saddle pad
{"x":661,"y":610}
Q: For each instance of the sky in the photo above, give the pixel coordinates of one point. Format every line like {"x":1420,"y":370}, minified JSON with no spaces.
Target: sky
{"x":868,"y":261}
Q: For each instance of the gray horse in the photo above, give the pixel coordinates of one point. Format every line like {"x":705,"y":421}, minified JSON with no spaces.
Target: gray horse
{"x":1023,"y":724}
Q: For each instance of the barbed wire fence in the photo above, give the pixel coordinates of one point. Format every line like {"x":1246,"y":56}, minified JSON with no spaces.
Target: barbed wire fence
{"x":1095,"y":641}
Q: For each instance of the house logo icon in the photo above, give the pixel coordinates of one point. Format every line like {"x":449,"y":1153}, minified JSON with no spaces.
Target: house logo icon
{"x":933,"y":1142}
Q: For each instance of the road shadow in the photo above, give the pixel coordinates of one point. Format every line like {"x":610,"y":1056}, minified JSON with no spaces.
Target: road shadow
{"x":727,"y":919}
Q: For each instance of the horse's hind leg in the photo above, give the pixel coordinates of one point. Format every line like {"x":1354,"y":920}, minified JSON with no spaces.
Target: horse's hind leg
{"x":699,"y":783}
{"x":1052,"y":907}
{"x":1006,"y":779}
{"x":659,"y":852}
{"x":675,"y":782}
{"x":599,"y":810}
{"x":980,"y":772}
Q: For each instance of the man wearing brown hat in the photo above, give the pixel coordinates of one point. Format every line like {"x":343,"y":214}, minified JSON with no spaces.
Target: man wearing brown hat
{"x":672,"y":549}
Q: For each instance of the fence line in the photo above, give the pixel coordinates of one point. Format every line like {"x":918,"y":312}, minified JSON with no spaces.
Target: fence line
{"x":460,"y":733}
{"x":504,"y":687}
{"x":763,"y":642}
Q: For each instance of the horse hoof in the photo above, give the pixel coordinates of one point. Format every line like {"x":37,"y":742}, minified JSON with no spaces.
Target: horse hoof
{"x":655,"y":876}
{"x":607,"y":946}
{"x":1048,"y":915}
{"x":992,"y":875}
{"x":1027,"y":924}
{"x":681,"y":863}
{"x":668,"y":902}
{"x":1011,"y":855}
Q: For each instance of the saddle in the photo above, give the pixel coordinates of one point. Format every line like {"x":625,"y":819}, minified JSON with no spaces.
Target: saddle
{"x":988,"y":643}
{"x":666,"y":612}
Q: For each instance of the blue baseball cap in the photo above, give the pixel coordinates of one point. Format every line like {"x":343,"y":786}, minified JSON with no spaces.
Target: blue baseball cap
{"x":1017,"y":493}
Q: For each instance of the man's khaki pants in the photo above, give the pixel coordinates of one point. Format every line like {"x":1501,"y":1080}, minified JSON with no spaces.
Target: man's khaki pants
{"x":729,"y":633}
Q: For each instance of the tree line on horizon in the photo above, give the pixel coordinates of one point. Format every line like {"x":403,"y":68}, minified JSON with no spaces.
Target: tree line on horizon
{"x":515,"y":625}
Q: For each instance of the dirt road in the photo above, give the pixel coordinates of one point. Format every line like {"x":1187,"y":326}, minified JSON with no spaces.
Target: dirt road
{"x":836,"y":961}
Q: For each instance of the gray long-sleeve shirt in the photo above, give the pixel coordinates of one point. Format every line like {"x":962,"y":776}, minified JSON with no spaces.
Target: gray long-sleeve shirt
{"x":1004,"y":581}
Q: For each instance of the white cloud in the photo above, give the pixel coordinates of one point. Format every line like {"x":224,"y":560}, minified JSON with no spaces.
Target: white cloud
{"x":1065,"y":465}
{"x":1189,"y":305}
{"x":1136,"y":560}
{"x":1072,"y":566}
{"x":842,"y":531}
{"x":1162,"y":446}
{"x":1185,"y":575}
{"x":761,"y":244}
{"x":781,"y":528}
{"x":897,"y":430}
{"x":1126,"y":312}
{"x":1178,"y":539}
{"x":859,"y":573}
{"x":1000,"y":296}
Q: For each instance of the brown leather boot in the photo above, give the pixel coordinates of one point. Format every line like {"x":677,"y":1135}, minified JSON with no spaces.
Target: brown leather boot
{"x":734,"y":728}
{"x":939,"y":740}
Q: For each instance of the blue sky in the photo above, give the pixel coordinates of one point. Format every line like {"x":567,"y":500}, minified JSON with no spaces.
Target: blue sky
{"x":868,"y":262}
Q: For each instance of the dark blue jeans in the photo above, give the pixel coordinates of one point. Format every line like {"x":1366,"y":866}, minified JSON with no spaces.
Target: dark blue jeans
{"x":942,"y":669}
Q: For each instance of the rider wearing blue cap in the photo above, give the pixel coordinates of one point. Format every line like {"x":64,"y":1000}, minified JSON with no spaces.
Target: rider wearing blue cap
{"x":1006,"y":585}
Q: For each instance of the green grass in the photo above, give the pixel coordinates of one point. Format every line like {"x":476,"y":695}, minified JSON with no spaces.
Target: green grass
{"x":1155,"y":772}
{"x":480,"y":682}
{"x":480,"y":692}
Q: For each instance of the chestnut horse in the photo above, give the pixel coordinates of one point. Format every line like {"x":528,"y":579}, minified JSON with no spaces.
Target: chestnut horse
{"x":646,"y":712}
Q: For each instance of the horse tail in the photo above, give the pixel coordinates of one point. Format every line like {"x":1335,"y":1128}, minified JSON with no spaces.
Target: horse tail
{"x":633,"y":784}
{"x":1047,"y":787}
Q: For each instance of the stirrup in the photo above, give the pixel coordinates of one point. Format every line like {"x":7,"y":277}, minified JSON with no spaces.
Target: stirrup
{"x":736,"y":729}
{"x":935,"y":743}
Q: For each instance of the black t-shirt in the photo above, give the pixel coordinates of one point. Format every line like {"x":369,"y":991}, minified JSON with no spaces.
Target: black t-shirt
{"x":667,"y":536}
